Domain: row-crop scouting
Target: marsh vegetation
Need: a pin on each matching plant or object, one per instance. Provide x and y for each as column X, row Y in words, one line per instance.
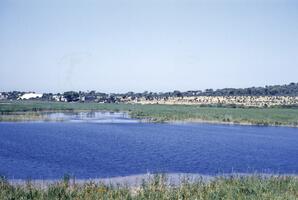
column 32, row 110
column 157, row 187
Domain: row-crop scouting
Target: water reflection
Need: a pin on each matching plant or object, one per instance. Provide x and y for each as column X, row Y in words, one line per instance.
column 93, row 116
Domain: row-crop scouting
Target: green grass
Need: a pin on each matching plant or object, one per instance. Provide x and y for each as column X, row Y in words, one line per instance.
column 158, row 113
column 251, row 187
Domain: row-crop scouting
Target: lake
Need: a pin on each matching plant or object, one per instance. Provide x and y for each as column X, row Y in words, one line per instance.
column 111, row 145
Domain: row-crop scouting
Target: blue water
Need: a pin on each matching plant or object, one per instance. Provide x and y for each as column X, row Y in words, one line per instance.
column 49, row 150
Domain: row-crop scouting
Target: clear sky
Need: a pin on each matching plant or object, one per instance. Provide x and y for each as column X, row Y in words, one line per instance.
column 154, row 45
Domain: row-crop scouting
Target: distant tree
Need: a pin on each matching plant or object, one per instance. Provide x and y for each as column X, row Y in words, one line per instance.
column 177, row 93
column 71, row 96
column 274, row 90
column 47, row 96
column 90, row 96
column 14, row 95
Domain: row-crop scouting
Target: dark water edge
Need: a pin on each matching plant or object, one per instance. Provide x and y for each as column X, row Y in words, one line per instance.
column 87, row 150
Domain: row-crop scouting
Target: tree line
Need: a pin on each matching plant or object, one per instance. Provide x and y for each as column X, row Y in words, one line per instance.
column 93, row 96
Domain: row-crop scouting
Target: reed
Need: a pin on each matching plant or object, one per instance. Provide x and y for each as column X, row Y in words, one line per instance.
column 248, row 187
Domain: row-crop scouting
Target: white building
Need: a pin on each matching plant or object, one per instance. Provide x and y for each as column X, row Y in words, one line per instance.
column 30, row 96
column 59, row 98
column 2, row 96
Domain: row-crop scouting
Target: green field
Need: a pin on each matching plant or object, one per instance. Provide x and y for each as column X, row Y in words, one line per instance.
column 31, row 110
column 251, row 187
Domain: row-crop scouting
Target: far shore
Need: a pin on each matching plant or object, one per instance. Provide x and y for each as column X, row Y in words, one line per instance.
column 41, row 116
column 36, row 110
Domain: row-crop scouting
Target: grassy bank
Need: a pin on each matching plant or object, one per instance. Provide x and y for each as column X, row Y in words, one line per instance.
column 22, row 110
column 252, row 187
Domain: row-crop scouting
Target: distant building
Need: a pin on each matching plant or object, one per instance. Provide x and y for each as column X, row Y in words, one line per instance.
column 27, row 96
column 3, row 96
column 59, row 98
column 82, row 98
column 56, row 98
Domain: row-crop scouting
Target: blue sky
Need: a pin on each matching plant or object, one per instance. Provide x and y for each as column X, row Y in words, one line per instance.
column 154, row 45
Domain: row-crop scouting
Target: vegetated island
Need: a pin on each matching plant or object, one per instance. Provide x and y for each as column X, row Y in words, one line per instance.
column 270, row 105
column 234, row 187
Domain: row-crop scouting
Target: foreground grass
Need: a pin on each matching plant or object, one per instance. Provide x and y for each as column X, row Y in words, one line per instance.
column 22, row 110
column 251, row 187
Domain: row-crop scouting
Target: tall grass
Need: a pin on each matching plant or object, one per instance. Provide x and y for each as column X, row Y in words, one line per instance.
column 250, row 187
column 158, row 113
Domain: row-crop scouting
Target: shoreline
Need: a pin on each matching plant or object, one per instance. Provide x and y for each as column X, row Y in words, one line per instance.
column 130, row 180
column 198, row 121
column 137, row 180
